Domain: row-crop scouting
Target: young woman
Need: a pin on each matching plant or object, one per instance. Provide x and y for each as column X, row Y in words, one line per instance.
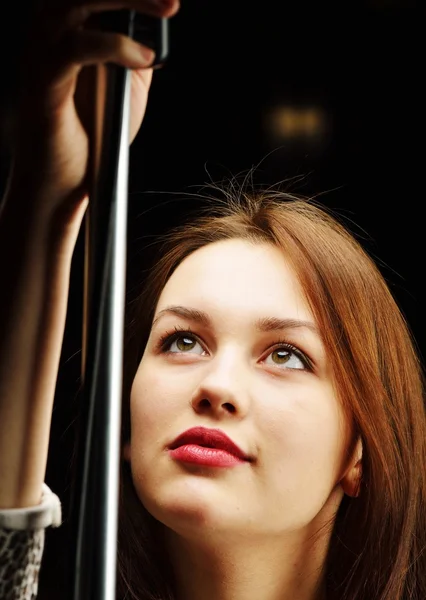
column 274, row 431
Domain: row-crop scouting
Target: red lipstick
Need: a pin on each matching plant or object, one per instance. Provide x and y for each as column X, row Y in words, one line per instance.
column 207, row 447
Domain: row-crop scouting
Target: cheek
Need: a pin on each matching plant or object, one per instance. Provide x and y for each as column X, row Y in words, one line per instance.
column 304, row 436
column 154, row 403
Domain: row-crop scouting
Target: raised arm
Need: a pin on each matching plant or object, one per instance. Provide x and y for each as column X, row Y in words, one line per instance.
column 39, row 221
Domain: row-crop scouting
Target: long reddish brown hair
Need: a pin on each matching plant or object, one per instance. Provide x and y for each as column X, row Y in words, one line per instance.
column 377, row 548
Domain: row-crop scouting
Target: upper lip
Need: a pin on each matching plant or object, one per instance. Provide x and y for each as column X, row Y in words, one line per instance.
column 209, row 438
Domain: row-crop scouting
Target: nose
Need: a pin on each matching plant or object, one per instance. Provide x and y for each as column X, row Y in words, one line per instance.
column 223, row 390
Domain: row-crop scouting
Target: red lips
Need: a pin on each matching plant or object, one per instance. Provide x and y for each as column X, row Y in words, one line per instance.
column 209, row 438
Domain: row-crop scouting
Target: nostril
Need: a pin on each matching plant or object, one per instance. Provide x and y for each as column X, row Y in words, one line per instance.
column 205, row 403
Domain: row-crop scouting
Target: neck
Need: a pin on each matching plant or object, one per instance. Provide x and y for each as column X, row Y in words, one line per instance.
column 248, row 570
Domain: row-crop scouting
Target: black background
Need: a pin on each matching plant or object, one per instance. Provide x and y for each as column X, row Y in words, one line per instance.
column 231, row 62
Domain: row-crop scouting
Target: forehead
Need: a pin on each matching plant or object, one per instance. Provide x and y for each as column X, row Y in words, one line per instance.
column 239, row 276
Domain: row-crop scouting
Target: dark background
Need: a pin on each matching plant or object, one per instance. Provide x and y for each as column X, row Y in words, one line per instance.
column 343, row 83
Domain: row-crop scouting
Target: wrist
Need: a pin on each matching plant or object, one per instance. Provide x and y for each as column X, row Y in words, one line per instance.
column 36, row 208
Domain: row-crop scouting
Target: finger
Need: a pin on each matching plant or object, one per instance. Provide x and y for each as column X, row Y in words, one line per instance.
column 78, row 50
column 159, row 8
column 77, row 15
column 92, row 47
column 54, row 23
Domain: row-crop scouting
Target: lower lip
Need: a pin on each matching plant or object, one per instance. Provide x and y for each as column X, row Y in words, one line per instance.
column 207, row 457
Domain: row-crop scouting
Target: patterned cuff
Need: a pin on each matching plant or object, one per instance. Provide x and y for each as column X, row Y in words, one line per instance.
column 47, row 513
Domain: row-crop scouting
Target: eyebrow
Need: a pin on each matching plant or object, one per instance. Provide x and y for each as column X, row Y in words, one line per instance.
column 264, row 324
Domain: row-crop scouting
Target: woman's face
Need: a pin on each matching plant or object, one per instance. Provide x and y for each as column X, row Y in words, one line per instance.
column 244, row 357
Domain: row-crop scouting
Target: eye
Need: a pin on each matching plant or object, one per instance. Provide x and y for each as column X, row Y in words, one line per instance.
column 180, row 341
column 185, row 342
column 288, row 356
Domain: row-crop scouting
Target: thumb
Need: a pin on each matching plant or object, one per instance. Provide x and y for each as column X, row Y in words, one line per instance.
column 140, row 85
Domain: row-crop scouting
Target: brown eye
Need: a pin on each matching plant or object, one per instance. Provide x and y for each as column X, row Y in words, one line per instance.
column 184, row 343
column 281, row 356
column 290, row 357
column 181, row 342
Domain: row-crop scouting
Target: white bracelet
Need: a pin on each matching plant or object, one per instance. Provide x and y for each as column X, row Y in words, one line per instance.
column 47, row 513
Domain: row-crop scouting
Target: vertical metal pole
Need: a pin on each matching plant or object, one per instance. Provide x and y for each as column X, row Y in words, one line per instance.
column 95, row 500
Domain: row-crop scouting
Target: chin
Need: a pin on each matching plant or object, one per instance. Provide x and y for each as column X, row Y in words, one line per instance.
column 192, row 505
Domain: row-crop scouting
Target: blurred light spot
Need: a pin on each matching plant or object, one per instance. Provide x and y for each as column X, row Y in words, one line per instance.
column 297, row 123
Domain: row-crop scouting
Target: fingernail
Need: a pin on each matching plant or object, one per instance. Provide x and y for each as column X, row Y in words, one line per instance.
column 147, row 55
